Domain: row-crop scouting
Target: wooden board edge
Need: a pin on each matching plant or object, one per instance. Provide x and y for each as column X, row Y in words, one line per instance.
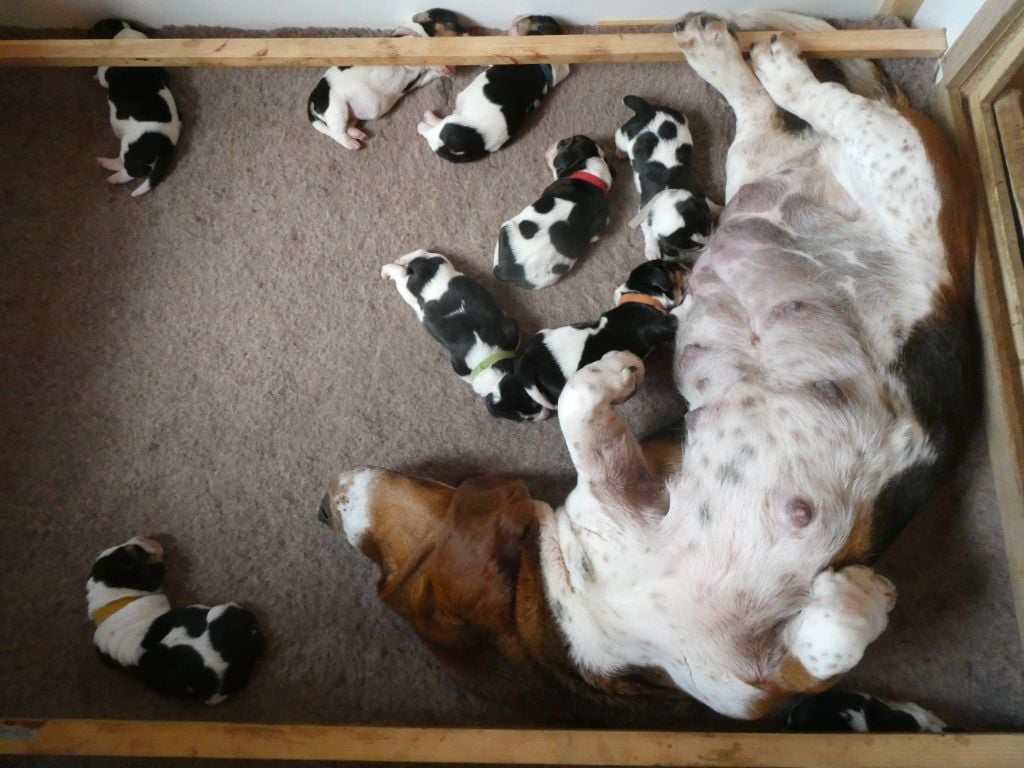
column 984, row 30
column 456, row 51
column 126, row 738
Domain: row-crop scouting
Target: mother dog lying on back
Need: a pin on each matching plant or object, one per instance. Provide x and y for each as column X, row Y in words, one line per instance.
column 825, row 352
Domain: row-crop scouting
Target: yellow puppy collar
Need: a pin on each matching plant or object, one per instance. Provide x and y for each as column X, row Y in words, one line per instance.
column 110, row 609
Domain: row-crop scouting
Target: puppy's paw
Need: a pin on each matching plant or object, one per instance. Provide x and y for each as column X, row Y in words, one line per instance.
column 357, row 134
column 847, row 611
column 613, row 379
column 110, row 163
column 121, row 177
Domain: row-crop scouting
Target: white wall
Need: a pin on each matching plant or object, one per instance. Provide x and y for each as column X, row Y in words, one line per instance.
column 384, row 14
column 954, row 15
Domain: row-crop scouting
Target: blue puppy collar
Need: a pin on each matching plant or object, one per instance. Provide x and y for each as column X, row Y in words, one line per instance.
column 549, row 74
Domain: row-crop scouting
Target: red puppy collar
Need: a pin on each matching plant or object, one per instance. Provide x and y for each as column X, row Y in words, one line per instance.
column 590, row 178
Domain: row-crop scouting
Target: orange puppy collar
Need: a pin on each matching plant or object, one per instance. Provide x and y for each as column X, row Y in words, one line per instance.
column 641, row 298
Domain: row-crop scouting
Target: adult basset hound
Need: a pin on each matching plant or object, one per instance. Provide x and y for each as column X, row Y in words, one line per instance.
column 826, row 353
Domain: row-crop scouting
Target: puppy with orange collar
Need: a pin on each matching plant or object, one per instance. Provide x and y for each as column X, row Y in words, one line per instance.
column 638, row 323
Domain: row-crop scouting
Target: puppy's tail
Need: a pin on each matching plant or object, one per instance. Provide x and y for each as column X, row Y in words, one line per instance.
column 461, row 144
column 859, row 75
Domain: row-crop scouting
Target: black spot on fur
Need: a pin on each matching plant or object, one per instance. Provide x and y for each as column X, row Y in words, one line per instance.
column 834, row 712
column 462, row 144
column 128, row 567
column 528, row 229
column 149, row 156
column 319, row 100
column 668, row 130
column 544, row 204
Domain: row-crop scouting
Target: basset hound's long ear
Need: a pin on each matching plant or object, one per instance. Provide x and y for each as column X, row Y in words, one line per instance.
column 468, row 581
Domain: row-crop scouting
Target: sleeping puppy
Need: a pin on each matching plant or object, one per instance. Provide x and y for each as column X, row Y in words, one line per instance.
column 840, row 712
column 659, row 283
column 674, row 214
column 465, row 319
column 491, row 109
column 142, row 113
column 347, row 94
column 195, row 652
column 553, row 355
column 541, row 244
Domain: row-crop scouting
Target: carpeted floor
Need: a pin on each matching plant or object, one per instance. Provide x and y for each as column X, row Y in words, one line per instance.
column 196, row 363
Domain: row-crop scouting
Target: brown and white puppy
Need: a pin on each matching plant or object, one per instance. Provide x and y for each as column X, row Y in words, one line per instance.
column 825, row 349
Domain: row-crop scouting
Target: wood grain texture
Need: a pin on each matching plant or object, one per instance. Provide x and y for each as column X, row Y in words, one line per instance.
column 1009, row 111
column 904, row 9
column 124, row 738
column 456, row 51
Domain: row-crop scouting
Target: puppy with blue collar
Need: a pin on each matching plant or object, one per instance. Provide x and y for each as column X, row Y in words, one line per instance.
column 540, row 245
column 490, row 111
column 196, row 652
column 143, row 114
column 465, row 318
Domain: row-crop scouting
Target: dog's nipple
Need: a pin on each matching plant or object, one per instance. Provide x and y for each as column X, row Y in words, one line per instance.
column 799, row 512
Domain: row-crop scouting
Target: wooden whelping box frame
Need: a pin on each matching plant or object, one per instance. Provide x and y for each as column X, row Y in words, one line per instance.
column 977, row 69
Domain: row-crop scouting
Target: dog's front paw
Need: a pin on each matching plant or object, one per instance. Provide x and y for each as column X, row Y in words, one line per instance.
column 698, row 31
column 613, row 379
column 847, row 611
column 393, row 272
column 780, row 69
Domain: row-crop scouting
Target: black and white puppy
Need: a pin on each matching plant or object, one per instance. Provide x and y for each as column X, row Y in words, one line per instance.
column 142, row 113
column 347, row 94
column 674, row 216
column 490, row 110
column 840, row 712
column 195, row 652
column 466, row 320
column 658, row 283
column 553, row 355
column 537, row 247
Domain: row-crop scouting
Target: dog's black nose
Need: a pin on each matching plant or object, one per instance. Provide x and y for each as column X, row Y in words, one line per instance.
column 324, row 513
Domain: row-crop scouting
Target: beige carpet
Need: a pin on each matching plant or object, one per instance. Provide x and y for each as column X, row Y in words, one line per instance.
column 196, row 363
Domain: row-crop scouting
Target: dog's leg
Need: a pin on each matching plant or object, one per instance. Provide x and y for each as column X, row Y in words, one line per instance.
column 110, row 163
column 121, row 177
column 877, row 155
column 847, row 611
column 609, row 461
column 761, row 145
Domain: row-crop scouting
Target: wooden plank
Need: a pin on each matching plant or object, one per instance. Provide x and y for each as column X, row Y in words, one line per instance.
column 1009, row 112
column 456, row 51
column 1000, row 299
column 974, row 43
column 1005, row 60
column 904, row 9
column 123, row 738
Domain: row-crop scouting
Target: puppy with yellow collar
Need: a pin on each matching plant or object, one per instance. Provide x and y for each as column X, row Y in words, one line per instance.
column 196, row 652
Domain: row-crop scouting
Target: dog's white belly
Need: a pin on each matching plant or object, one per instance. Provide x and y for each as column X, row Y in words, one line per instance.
column 797, row 310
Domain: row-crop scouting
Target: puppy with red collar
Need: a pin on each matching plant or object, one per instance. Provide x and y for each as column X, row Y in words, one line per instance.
column 537, row 247
column 196, row 652
column 638, row 323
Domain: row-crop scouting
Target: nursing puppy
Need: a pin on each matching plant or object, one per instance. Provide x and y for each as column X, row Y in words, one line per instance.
column 142, row 113
column 347, row 94
column 466, row 320
column 541, row 244
column 195, row 652
column 840, row 712
column 674, row 214
column 491, row 109
column 638, row 324
column 660, row 283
